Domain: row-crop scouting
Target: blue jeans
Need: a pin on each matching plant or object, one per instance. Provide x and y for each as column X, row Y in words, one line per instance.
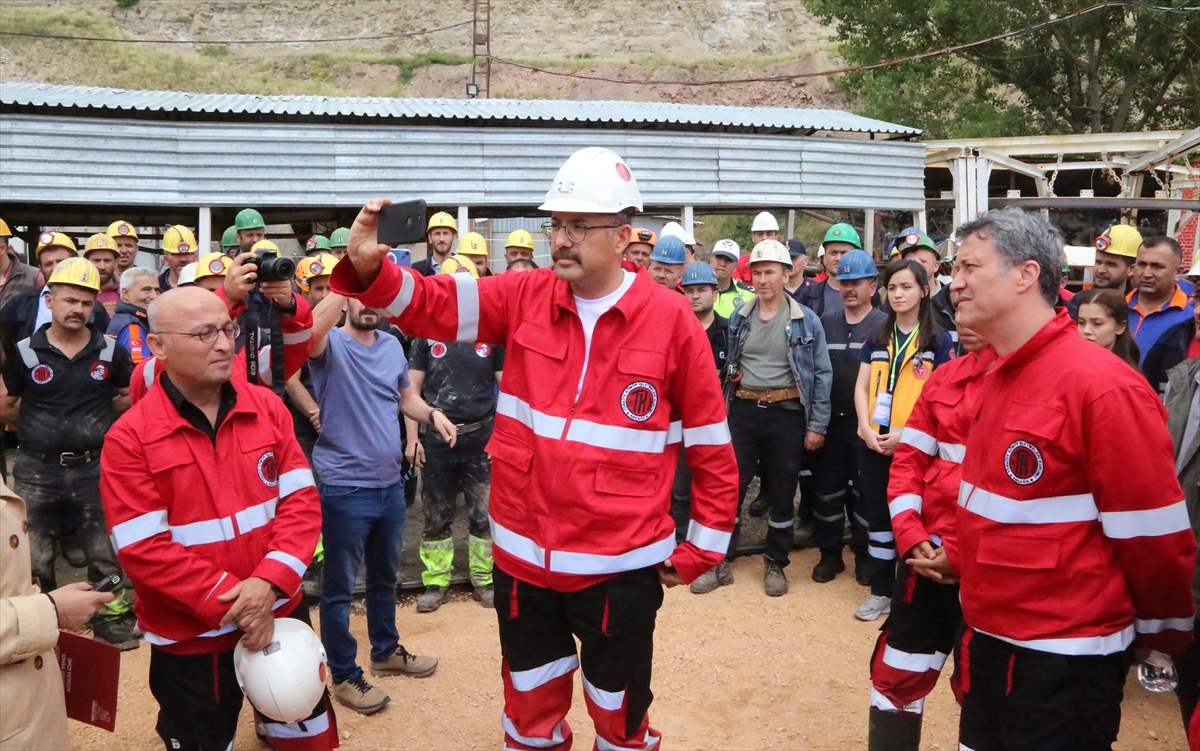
column 357, row 522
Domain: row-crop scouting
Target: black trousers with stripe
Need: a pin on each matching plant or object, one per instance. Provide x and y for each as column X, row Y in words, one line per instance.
column 872, row 481
column 1016, row 698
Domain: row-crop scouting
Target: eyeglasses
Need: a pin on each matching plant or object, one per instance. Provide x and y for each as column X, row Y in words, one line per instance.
column 208, row 334
column 575, row 231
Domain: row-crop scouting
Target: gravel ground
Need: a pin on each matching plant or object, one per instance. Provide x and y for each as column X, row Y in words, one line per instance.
column 733, row 670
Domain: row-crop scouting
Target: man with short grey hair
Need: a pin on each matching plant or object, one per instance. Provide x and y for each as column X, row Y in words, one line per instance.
column 139, row 286
column 1077, row 554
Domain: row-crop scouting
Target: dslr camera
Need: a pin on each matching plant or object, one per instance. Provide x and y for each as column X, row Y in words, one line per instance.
column 272, row 267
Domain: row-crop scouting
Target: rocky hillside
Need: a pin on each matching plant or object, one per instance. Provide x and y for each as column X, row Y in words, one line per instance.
column 657, row 40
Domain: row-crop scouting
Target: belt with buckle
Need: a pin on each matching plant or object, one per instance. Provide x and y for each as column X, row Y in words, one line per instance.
column 770, row 396
column 65, row 459
column 463, row 427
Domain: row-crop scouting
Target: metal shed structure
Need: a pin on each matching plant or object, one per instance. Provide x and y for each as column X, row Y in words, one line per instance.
column 78, row 155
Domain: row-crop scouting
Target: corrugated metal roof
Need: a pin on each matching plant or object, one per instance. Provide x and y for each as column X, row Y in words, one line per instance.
column 462, row 111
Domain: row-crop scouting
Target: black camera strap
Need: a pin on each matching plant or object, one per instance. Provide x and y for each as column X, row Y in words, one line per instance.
column 261, row 315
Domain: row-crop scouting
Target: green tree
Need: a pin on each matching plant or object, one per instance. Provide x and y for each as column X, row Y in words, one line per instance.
column 1121, row 68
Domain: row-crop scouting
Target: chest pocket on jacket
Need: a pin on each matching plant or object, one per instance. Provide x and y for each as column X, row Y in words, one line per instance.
column 642, row 362
column 543, row 340
column 1023, row 551
column 169, row 462
column 1036, row 420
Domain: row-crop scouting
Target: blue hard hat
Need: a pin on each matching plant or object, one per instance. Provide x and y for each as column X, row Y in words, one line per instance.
column 401, row 256
column 699, row 272
column 857, row 264
column 796, row 248
column 669, row 249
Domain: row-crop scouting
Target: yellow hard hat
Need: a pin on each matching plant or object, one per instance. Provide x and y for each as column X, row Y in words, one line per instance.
column 54, row 240
column 213, row 264
column 78, row 272
column 1120, row 240
column 179, row 239
column 519, row 238
column 121, row 228
column 264, row 245
column 4, row 230
column 472, row 244
column 99, row 241
column 457, row 264
column 442, row 219
column 310, row 268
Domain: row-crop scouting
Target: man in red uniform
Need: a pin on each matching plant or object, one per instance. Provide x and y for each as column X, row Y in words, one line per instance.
column 214, row 515
column 923, row 488
column 589, row 424
column 1072, row 554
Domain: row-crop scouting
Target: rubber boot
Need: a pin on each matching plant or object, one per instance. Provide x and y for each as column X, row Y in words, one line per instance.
column 893, row 731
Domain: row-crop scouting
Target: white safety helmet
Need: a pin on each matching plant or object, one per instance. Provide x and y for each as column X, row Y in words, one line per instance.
column 770, row 250
column 675, row 229
column 187, row 275
column 286, row 679
column 765, row 222
column 593, row 181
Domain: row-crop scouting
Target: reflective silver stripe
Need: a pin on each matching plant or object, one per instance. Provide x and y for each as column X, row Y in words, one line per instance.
column 148, row 372
column 919, row 440
column 879, row 701
column 780, row 525
column 882, row 554
column 110, row 346
column 404, row 296
column 611, row 701
column 1083, row 645
column 528, row 680
column 856, row 345
column 1155, row 522
column 542, row 424
column 297, row 337
column 556, row 736
column 881, row 536
column 291, row 561
column 614, row 438
column 835, row 347
column 906, row 502
column 716, row 434
column 1051, row 510
column 935, row 539
column 649, row 742
column 1157, row 626
column 564, row 562
column 879, row 356
column 138, row 528
column 914, row 663
column 203, row 533
column 296, row 479
column 306, row 729
column 255, row 516
column 707, row 538
column 951, row 452
column 927, row 356
column 28, row 356
column 517, row 545
column 162, row 641
column 675, row 432
column 467, row 294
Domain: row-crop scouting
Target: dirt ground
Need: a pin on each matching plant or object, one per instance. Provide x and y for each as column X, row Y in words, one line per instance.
column 733, row 670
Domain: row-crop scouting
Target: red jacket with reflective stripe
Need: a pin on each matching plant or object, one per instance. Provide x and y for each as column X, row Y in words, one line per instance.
column 297, row 344
column 189, row 521
column 1073, row 533
column 927, row 467
column 580, row 488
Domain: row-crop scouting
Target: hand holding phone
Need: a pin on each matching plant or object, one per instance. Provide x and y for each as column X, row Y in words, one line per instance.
column 401, row 223
column 107, row 584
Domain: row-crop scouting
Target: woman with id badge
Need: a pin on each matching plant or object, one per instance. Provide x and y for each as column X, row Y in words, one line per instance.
column 896, row 361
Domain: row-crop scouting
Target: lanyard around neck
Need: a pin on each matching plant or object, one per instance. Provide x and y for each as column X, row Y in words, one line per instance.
column 898, row 354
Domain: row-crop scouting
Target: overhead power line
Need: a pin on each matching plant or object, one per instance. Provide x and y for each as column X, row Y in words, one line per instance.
column 69, row 38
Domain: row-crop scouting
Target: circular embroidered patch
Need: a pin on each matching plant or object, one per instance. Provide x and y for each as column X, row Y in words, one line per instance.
column 639, row 400
column 268, row 470
column 42, row 374
column 1023, row 463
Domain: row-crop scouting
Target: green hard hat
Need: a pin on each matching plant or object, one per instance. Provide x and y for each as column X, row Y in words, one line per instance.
column 340, row 238
column 316, row 242
column 249, row 219
column 229, row 237
column 842, row 233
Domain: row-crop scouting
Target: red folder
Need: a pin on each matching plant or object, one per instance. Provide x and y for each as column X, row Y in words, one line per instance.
column 91, row 672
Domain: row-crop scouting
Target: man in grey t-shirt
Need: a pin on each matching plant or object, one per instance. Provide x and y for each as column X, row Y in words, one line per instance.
column 361, row 384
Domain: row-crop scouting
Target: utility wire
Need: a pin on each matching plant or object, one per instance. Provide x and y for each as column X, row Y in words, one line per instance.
column 66, row 37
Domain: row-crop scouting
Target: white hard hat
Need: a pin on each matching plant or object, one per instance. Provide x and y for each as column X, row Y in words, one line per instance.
column 770, row 250
column 286, row 679
column 765, row 222
column 821, row 252
column 593, row 181
column 675, row 229
column 187, row 275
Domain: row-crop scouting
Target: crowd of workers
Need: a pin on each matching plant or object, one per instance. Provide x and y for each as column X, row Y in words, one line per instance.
column 968, row 436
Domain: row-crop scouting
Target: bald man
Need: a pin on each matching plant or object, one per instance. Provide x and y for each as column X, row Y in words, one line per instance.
column 198, row 594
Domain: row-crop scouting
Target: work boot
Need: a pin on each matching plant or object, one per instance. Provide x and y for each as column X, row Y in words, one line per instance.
column 433, row 599
column 775, row 583
column 403, row 663
column 893, row 731
column 862, row 569
column 73, row 552
column 115, row 631
column 719, row 575
column 758, row 507
column 311, row 583
column 828, row 567
column 485, row 596
column 875, row 606
column 360, row 696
